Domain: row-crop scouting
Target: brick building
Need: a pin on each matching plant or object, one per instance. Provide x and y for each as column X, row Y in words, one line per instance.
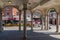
column 10, row 13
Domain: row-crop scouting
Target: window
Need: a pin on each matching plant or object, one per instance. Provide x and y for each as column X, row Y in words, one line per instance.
column 7, row 14
column 17, row 13
column 7, row 8
column 2, row 14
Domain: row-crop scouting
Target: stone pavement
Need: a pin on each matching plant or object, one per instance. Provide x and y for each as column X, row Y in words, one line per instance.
column 31, row 35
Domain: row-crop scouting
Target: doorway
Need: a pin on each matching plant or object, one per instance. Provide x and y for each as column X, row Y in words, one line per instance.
column 52, row 15
column 37, row 20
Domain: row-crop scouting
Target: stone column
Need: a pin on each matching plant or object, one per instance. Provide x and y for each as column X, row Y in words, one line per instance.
column 19, row 20
column 1, row 28
column 57, row 23
column 42, row 23
column 44, row 19
column 45, row 22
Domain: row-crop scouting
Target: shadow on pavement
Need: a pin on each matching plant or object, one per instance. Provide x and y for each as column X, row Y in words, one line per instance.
column 17, row 35
column 39, row 36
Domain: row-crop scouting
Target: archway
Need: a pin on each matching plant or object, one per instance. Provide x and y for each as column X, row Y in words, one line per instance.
column 10, row 17
column 52, row 15
column 37, row 19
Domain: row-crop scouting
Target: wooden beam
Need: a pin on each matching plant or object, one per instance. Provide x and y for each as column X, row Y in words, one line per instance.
column 40, row 3
column 43, row 2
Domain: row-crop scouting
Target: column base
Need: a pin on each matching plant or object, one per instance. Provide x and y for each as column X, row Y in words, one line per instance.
column 24, row 38
column 31, row 28
column 1, row 28
column 19, row 28
column 56, row 31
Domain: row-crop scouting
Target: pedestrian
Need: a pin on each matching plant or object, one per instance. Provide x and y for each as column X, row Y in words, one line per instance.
column 3, row 23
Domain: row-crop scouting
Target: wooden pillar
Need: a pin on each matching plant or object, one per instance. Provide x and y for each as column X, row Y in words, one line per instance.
column 31, row 21
column 24, row 28
column 19, row 20
column 1, row 28
column 57, row 23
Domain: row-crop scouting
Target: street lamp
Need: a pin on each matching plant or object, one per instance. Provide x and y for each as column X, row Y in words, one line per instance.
column 9, row 2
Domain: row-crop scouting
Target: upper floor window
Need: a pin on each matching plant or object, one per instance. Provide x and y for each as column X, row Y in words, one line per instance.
column 7, row 8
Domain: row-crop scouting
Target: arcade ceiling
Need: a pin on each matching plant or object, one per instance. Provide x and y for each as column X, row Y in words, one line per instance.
column 30, row 4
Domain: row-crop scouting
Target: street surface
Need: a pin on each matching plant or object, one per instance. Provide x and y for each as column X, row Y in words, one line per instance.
column 12, row 33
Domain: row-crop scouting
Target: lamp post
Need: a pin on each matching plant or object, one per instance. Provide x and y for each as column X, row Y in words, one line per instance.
column 24, row 9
